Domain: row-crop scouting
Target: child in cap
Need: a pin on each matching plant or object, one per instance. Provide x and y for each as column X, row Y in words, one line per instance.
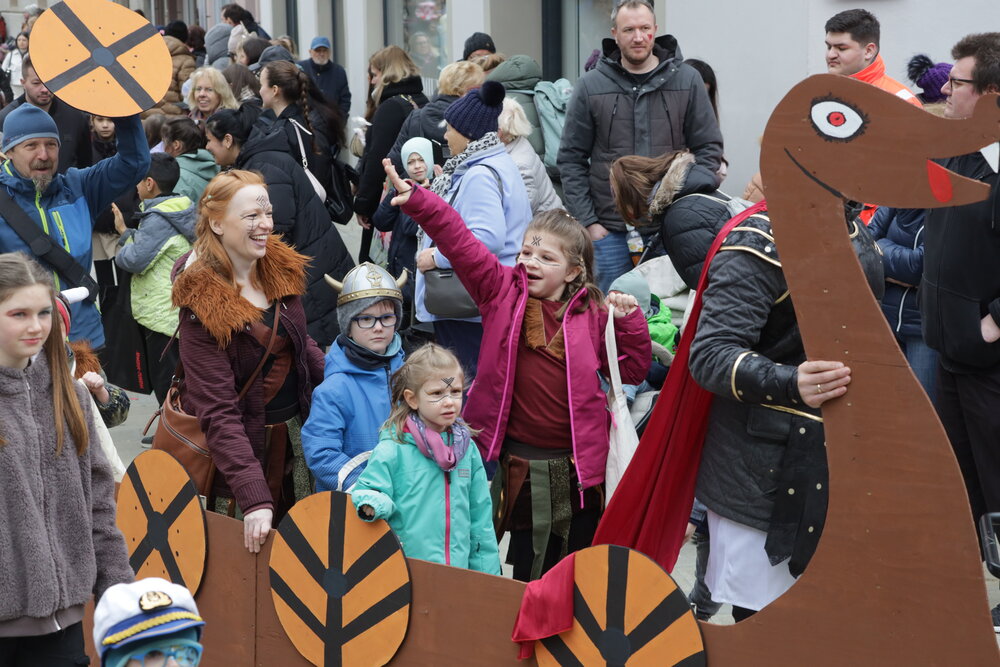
column 417, row 154
column 352, row 402
column 146, row 623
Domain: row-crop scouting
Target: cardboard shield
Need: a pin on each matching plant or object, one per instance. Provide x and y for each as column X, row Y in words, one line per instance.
column 160, row 515
column 100, row 57
column 341, row 587
column 626, row 610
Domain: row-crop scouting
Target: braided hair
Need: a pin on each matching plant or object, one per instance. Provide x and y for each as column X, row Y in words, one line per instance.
column 298, row 87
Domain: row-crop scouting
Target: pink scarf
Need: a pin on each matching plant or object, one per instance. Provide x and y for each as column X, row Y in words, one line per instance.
column 432, row 445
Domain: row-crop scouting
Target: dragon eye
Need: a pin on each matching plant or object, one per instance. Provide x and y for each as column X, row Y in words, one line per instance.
column 837, row 120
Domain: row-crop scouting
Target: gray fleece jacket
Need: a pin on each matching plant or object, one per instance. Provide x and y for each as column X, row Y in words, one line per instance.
column 59, row 543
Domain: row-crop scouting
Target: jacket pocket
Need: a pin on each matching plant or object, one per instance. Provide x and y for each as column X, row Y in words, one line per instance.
column 961, row 334
column 770, row 425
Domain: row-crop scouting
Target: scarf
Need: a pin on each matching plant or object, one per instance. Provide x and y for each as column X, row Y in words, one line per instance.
column 432, row 445
column 364, row 358
column 442, row 183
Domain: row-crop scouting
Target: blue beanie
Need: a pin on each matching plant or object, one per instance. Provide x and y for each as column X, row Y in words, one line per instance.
column 27, row 122
column 476, row 113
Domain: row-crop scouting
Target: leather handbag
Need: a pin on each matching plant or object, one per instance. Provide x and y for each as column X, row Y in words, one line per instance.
column 179, row 433
column 338, row 199
column 444, row 294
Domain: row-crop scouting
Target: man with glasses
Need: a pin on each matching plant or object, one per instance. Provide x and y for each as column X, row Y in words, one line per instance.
column 960, row 291
column 350, row 406
column 640, row 99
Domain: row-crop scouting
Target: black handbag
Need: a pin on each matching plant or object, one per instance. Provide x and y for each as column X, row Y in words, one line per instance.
column 125, row 357
column 339, row 198
column 444, row 294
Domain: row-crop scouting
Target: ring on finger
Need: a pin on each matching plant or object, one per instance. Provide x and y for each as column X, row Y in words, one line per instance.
column 819, row 389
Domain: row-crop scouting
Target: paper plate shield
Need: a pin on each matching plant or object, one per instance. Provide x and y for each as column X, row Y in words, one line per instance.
column 100, row 57
column 341, row 587
column 626, row 611
column 160, row 515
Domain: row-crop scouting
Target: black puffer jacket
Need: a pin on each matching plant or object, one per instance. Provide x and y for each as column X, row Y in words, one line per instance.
column 302, row 221
column 762, row 440
column 319, row 155
column 611, row 114
column 426, row 122
column 689, row 212
column 398, row 100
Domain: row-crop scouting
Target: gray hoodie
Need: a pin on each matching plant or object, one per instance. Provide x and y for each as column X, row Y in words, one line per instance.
column 217, row 46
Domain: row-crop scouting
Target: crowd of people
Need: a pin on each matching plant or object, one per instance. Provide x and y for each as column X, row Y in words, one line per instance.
column 451, row 389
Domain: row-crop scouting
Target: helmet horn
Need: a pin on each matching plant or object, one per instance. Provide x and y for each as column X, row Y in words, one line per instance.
column 339, row 286
column 403, row 277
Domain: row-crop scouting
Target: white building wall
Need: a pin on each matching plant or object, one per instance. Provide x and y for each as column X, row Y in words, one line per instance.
column 760, row 50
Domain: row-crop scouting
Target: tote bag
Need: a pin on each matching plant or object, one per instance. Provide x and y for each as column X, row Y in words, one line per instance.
column 622, row 438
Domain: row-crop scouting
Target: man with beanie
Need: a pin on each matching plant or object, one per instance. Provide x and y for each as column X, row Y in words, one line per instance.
column 350, row 406
column 640, row 99
column 63, row 206
column 960, row 289
column 74, row 125
column 482, row 182
column 478, row 44
column 328, row 76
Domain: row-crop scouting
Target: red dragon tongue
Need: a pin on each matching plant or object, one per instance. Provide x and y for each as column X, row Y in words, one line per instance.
column 940, row 181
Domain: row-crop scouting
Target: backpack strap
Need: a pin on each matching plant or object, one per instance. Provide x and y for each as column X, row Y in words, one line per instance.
column 43, row 247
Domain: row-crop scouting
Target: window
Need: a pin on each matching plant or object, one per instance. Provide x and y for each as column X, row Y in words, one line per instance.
column 420, row 27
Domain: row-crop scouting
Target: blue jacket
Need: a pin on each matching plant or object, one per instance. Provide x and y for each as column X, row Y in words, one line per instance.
column 498, row 222
column 900, row 235
column 348, row 410
column 67, row 208
column 443, row 517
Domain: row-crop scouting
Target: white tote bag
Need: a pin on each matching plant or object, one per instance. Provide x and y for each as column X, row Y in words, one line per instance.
column 622, row 440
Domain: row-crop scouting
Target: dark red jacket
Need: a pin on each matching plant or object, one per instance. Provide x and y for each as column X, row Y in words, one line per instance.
column 219, row 354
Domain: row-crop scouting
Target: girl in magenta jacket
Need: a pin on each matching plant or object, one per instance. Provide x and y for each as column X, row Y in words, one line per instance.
column 537, row 398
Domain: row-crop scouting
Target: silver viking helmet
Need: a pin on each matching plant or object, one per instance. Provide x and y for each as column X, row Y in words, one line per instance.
column 368, row 280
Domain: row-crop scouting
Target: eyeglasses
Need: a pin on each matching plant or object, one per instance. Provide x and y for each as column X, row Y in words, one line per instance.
column 952, row 80
column 368, row 321
column 186, row 652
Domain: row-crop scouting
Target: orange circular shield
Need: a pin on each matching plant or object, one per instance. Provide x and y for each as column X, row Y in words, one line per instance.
column 340, row 585
column 626, row 611
column 100, row 57
column 161, row 517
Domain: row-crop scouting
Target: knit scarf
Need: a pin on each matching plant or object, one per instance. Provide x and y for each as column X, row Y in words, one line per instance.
column 442, row 183
column 432, row 445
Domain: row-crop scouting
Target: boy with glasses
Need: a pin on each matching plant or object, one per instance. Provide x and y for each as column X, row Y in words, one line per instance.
column 350, row 406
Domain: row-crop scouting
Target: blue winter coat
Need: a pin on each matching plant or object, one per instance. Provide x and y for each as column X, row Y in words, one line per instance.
column 68, row 207
column 497, row 220
column 899, row 233
column 443, row 517
column 348, row 410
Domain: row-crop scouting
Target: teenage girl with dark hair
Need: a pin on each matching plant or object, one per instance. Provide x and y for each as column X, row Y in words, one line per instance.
column 185, row 140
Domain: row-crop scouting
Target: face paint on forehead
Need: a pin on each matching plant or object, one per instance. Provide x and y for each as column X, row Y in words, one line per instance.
column 263, row 201
column 536, row 240
column 447, row 385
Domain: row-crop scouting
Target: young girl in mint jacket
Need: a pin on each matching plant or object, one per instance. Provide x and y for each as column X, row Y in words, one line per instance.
column 537, row 400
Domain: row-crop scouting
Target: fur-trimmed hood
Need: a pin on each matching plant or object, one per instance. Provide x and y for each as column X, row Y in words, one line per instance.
column 218, row 304
column 673, row 182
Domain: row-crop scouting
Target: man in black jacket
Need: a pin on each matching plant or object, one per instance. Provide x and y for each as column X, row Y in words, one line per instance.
column 328, row 76
column 641, row 99
column 74, row 125
column 960, row 292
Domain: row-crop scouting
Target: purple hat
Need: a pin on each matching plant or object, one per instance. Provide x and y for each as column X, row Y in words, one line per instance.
column 929, row 76
column 476, row 113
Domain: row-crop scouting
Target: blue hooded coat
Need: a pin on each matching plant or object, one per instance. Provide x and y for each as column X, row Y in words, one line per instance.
column 348, row 410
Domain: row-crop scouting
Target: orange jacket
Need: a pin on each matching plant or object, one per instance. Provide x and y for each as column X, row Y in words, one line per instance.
column 875, row 75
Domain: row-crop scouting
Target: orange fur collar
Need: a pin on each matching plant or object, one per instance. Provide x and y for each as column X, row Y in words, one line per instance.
column 218, row 304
